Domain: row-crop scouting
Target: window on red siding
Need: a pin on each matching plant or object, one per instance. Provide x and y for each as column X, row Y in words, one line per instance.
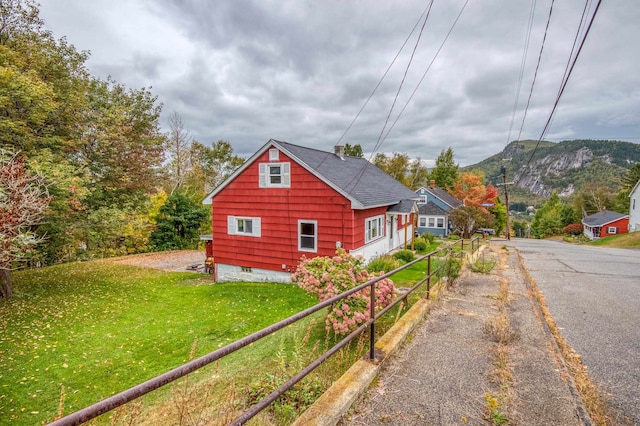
column 612, row 230
column 308, row 235
column 373, row 228
column 249, row 226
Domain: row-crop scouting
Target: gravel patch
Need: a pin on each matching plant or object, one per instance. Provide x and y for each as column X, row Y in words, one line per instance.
column 177, row 260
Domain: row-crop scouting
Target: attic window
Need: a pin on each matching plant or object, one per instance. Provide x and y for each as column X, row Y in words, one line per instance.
column 275, row 175
column 274, row 154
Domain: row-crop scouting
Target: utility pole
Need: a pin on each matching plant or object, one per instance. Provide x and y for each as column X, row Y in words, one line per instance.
column 503, row 170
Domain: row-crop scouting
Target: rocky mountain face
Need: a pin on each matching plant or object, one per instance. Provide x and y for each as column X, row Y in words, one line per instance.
column 564, row 167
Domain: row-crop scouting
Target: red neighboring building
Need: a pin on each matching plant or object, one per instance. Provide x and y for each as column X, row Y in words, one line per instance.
column 287, row 201
column 605, row 223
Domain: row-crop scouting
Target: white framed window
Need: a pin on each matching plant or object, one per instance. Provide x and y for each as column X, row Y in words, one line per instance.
column 248, row 226
column 274, row 154
column 422, row 221
column 423, row 199
column 308, row 235
column 432, row 222
column 373, row 228
column 612, row 230
column 274, row 175
column 440, row 222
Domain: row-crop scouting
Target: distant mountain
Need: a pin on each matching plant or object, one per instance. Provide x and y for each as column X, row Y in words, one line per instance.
column 564, row 167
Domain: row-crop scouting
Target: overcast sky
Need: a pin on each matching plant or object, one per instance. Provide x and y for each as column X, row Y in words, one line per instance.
column 300, row 70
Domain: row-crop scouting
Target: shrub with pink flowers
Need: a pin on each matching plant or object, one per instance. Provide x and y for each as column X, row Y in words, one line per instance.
column 326, row 277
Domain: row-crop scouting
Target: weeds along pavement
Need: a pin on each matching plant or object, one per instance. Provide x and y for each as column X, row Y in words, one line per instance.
column 482, row 356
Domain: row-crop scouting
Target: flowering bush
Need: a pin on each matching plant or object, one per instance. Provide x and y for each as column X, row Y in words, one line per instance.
column 573, row 229
column 326, row 277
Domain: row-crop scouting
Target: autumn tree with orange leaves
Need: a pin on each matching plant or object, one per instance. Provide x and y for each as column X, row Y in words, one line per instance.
column 470, row 189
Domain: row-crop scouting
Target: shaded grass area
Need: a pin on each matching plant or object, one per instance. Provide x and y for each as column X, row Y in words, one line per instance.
column 97, row 328
column 631, row 240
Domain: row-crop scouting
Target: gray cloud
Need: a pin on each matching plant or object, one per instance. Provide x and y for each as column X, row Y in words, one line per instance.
column 249, row 70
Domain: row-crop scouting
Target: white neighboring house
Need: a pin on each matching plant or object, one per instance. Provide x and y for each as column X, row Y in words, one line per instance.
column 634, row 208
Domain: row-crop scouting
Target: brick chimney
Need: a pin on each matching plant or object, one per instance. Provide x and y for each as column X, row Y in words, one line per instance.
column 432, row 183
column 339, row 150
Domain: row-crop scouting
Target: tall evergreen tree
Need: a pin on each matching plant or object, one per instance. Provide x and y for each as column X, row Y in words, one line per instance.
column 178, row 224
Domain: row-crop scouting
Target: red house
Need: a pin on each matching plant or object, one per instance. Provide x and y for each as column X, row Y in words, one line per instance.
column 605, row 223
column 287, row 201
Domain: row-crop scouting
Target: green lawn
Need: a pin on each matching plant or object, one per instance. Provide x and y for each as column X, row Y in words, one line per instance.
column 631, row 240
column 97, row 328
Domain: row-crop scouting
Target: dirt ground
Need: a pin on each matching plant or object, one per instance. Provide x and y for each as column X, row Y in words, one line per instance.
column 178, row 260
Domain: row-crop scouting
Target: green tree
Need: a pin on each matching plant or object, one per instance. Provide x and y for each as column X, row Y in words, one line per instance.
column 445, row 172
column 499, row 212
column 96, row 143
column 548, row 218
column 122, row 146
column 210, row 166
column 592, row 198
column 412, row 174
column 620, row 202
column 180, row 219
column 631, row 177
column 353, row 151
column 418, row 174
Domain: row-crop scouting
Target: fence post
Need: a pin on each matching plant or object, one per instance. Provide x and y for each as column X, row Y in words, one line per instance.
column 428, row 275
column 372, row 313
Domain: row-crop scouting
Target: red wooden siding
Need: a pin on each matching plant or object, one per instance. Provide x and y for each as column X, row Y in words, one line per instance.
column 622, row 225
column 359, row 221
column 279, row 209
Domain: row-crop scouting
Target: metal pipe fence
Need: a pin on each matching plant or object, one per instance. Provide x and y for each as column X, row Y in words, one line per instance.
column 124, row 397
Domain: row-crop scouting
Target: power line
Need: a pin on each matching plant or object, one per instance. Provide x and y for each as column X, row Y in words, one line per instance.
column 360, row 173
column 535, row 74
column 564, row 84
column 426, row 70
column 523, row 62
column 406, row 71
column 385, row 73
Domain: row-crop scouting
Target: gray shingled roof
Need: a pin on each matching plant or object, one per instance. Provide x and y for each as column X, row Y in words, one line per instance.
column 445, row 196
column 404, row 206
column 431, row 209
column 602, row 218
column 355, row 177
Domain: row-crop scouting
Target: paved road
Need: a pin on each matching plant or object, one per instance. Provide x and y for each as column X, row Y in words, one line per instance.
column 593, row 294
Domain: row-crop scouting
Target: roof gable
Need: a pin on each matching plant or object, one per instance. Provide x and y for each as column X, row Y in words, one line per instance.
column 404, row 207
column 635, row 187
column 364, row 184
column 442, row 195
column 431, row 209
